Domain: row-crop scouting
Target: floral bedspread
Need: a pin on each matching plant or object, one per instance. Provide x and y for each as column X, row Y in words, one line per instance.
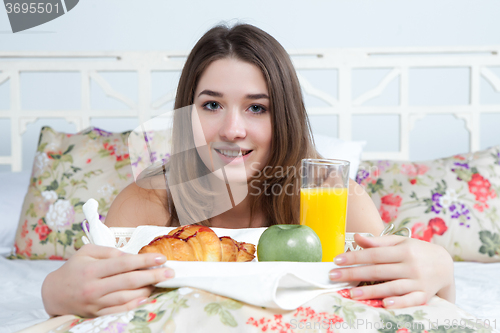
column 193, row 310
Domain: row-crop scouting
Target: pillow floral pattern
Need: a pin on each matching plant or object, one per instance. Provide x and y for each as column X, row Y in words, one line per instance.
column 68, row 170
column 148, row 149
column 453, row 202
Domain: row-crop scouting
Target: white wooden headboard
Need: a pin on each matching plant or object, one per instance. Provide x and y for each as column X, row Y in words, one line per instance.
column 478, row 60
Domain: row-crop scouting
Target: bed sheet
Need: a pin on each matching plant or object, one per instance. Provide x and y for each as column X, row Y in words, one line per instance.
column 20, row 298
column 13, row 188
column 478, row 292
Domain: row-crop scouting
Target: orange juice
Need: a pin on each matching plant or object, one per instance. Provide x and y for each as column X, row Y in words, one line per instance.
column 324, row 210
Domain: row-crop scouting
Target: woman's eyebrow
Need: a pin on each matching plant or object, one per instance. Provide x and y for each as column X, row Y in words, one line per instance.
column 218, row 94
column 256, row 96
column 211, row 93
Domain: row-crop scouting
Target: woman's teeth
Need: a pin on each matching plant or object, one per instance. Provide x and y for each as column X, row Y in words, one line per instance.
column 232, row 153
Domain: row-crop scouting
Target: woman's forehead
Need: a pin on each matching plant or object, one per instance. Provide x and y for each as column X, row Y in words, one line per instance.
column 233, row 77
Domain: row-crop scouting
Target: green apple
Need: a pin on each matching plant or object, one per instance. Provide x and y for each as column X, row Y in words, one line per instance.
column 289, row 242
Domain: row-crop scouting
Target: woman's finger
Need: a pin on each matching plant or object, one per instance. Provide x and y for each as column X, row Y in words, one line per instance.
column 383, row 290
column 379, row 272
column 126, row 263
column 414, row 298
column 122, row 308
column 100, row 252
column 124, row 296
column 376, row 255
column 367, row 242
column 135, row 279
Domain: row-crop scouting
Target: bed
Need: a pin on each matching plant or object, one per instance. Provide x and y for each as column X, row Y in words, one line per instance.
column 478, row 293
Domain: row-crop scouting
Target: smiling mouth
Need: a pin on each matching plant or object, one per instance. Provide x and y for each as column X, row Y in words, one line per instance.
column 232, row 153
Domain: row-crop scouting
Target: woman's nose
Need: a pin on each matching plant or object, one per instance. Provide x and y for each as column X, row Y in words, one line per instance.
column 233, row 126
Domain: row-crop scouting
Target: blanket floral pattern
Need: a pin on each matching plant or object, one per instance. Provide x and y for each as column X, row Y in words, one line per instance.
column 453, row 202
column 68, row 170
column 172, row 311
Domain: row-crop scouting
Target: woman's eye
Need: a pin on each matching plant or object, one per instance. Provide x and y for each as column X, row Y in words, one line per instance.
column 257, row 109
column 212, row 106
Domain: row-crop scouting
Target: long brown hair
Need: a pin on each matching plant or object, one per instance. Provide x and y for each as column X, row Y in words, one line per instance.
column 291, row 136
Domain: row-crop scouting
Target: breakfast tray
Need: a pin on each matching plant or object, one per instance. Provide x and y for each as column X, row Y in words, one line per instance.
column 284, row 285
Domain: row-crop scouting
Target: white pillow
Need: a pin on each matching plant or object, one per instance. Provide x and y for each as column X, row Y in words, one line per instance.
column 330, row 147
column 13, row 188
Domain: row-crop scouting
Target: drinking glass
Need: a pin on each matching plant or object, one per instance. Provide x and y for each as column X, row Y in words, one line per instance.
column 323, row 202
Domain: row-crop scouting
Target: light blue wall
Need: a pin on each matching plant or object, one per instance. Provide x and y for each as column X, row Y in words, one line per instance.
column 167, row 25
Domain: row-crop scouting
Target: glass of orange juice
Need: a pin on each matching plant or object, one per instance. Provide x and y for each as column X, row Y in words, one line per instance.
column 323, row 202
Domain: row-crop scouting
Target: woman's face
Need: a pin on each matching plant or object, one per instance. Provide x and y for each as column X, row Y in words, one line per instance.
column 232, row 104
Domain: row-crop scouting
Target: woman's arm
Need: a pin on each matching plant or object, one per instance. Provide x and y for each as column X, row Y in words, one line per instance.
column 362, row 215
column 99, row 280
column 135, row 206
column 414, row 270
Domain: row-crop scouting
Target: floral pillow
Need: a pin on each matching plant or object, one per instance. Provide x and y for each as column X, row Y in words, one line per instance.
column 148, row 149
column 453, row 202
column 68, row 170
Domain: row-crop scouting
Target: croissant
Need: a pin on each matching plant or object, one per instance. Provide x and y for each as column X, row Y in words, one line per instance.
column 199, row 243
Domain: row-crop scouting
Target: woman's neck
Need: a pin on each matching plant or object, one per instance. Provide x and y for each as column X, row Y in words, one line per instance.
column 239, row 217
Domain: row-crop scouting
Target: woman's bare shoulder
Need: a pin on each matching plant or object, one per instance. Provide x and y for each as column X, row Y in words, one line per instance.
column 136, row 206
column 362, row 214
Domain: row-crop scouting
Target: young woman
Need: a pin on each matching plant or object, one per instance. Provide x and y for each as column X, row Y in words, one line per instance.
column 246, row 93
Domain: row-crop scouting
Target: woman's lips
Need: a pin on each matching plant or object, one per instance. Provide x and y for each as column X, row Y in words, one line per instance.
column 233, row 159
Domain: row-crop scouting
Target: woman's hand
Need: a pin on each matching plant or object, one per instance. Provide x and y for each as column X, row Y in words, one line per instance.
column 414, row 270
column 99, row 280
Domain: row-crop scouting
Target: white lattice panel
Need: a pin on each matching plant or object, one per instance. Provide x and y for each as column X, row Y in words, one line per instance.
column 478, row 60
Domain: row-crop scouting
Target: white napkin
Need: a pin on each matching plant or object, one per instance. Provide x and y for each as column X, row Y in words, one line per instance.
column 284, row 285
column 99, row 233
